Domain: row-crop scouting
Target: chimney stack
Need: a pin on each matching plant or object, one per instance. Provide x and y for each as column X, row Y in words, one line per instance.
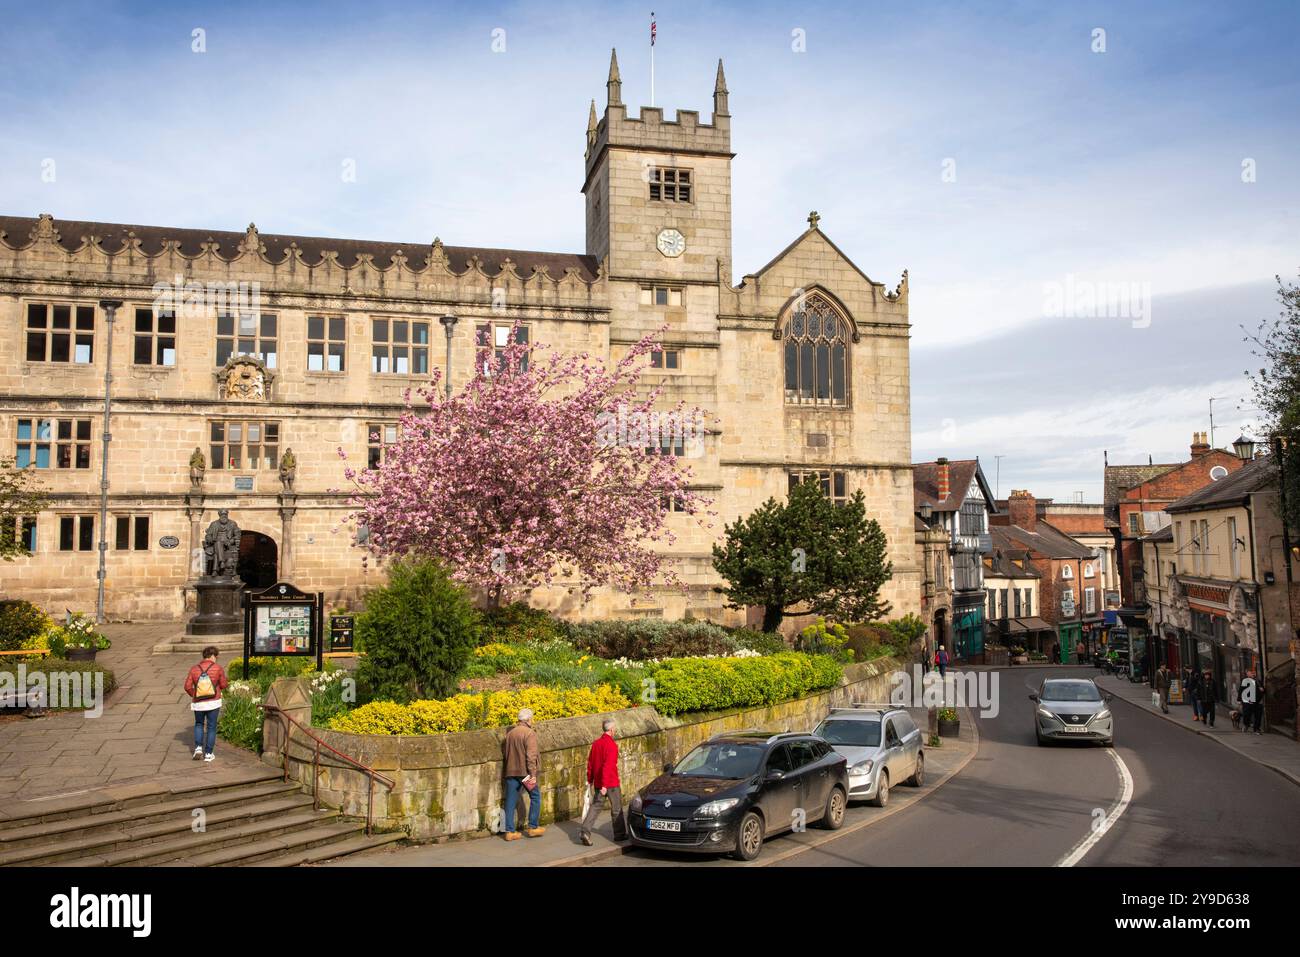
column 945, row 489
column 1199, row 444
column 1022, row 509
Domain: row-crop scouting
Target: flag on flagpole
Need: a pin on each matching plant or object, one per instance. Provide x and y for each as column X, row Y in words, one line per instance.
column 652, row 28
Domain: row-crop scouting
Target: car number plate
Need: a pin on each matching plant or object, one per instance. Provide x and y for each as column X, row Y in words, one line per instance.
column 659, row 825
column 1076, row 728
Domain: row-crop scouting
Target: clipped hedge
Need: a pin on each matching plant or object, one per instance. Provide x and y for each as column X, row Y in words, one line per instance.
column 712, row 684
column 641, row 639
column 56, row 666
column 467, row 712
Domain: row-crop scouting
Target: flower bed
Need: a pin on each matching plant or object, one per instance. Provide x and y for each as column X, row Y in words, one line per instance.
column 467, row 712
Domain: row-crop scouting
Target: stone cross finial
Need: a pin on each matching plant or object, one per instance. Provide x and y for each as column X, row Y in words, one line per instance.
column 813, row 219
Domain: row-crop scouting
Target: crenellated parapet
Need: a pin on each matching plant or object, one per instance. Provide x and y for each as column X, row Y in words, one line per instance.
column 45, row 249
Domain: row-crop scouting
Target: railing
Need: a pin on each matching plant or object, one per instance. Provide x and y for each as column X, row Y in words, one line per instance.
column 371, row 774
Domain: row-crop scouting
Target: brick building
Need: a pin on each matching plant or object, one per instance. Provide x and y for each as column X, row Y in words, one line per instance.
column 1135, row 500
column 804, row 366
column 1069, row 581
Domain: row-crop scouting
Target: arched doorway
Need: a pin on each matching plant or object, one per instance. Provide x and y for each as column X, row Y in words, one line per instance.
column 258, row 567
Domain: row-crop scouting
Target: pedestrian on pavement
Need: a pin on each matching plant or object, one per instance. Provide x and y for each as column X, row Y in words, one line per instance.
column 522, row 759
column 1080, row 651
column 941, row 661
column 1207, row 698
column 1250, row 694
column 1193, row 685
column 1162, row 686
column 602, row 777
column 204, row 685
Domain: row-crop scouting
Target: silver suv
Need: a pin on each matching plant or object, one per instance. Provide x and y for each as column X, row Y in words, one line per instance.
column 882, row 745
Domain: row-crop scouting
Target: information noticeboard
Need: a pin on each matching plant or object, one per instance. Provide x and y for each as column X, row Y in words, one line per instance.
column 282, row 621
column 341, row 632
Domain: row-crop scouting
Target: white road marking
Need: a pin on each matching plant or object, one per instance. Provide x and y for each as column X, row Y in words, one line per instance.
column 1095, row 834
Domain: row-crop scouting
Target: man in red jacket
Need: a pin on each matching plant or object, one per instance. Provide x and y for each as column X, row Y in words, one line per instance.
column 602, row 777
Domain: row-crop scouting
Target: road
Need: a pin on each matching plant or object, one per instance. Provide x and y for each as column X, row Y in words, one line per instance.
column 1193, row 802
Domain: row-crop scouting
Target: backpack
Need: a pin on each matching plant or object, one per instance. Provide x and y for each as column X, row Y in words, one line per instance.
column 204, row 689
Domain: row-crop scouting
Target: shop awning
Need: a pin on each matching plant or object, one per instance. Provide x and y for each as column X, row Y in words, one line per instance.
column 1024, row 626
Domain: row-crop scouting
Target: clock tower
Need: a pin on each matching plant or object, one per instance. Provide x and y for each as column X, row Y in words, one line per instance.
column 658, row 191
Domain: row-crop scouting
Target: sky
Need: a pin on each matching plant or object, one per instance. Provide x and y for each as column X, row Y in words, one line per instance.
column 1091, row 199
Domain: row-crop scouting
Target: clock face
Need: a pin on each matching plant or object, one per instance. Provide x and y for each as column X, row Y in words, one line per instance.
column 671, row 242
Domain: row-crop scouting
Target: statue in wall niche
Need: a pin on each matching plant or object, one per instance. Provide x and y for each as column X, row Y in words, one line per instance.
column 221, row 547
column 198, row 468
column 288, row 469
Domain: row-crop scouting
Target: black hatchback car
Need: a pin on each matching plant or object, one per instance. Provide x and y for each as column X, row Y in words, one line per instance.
column 735, row 790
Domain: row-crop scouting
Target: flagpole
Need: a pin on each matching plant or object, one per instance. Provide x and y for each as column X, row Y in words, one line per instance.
column 652, row 58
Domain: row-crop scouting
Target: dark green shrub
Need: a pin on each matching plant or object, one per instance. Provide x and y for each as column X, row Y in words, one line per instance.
column 867, row 641
column 642, row 639
column 710, row 684
column 764, row 642
column 419, row 631
column 20, row 622
column 517, row 623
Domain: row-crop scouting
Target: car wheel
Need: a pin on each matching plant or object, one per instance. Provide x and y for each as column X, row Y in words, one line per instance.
column 749, row 837
column 882, row 791
column 833, row 819
column 918, row 778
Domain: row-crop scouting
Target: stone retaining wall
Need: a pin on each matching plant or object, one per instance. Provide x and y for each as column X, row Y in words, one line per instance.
column 450, row 785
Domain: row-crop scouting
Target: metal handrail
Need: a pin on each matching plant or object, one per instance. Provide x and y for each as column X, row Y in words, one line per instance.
column 371, row 773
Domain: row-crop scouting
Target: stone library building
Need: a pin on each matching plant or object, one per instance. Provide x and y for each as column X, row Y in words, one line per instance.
column 233, row 365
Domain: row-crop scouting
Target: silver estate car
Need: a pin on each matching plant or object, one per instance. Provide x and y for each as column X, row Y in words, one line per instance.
column 882, row 746
column 1072, row 709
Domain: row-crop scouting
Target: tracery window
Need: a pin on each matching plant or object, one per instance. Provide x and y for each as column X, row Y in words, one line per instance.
column 816, row 354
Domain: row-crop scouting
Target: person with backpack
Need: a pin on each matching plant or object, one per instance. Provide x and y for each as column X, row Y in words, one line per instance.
column 204, row 685
column 941, row 660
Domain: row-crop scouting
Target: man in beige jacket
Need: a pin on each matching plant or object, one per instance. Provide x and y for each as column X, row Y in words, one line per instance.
column 520, row 753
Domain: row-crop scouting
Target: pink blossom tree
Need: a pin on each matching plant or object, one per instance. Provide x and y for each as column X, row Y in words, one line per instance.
column 546, row 467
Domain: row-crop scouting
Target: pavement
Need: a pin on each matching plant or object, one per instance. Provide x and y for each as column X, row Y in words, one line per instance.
column 1274, row 751
column 145, row 733
column 560, row 845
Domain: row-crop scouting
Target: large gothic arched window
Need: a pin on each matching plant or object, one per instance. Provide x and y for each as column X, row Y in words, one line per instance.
column 816, row 354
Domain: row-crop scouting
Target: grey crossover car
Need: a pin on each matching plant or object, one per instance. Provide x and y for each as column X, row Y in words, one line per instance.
column 1072, row 709
column 882, row 746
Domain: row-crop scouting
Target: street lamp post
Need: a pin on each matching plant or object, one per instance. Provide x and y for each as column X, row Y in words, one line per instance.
column 448, row 324
column 110, row 307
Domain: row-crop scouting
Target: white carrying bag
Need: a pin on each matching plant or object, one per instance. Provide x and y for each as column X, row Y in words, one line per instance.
column 586, row 802
column 1155, row 699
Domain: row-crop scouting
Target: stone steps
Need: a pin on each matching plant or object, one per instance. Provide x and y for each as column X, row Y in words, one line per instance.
column 230, row 646
column 259, row 819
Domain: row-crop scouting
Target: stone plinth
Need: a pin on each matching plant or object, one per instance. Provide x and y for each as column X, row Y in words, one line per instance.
column 219, row 612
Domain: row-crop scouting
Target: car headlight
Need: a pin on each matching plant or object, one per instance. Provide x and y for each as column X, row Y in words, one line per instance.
column 636, row 803
column 714, row 808
column 1102, row 715
column 862, row 767
column 1044, row 713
